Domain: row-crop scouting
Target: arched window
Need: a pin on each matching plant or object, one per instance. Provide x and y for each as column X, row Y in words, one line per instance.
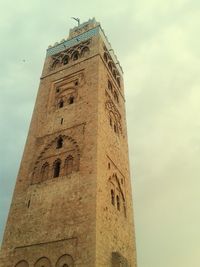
column 110, row 66
column 75, row 55
column 109, row 85
column 85, row 51
column 65, row 265
column 71, row 100
column 55, row 63
column 112, row 197
column 45, row 171
column 110, row 122
column 118, row 81
column 65, row 60
column 56, row 170
column 69, row 164
column 61, row 103
column 116, row 96
column 105, row 57
column 118, row 202
column 22, row 263
column 59, row 143
column 115, row 128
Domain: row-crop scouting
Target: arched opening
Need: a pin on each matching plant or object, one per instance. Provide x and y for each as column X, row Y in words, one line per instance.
column 115, row 128
column 109, row 85
column 71, row 100
column 61, row 103
column 75, row 55
column 22, row 263
column 118, row 202
column 55, row 63
column 110, row 66
column 110, row 122
column 112, row 197
column 85, row 51
column 69, row 164
column 59, row 143
column 45, row 171
column 105, row 57
column 118, row 81
column 65, row 60
column 56, row 171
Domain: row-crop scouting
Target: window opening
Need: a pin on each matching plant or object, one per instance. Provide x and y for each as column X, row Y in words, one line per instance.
column 61, row 121
column 29, row 202
column 110, row 122
column 45, row 171
column 112, row 197
column 57, row 169
column 69, row 164
column 75, row 56
column 115, row 128
column 65, row 60
column 108, row 165
column 71, row 100
column 118, row 203
column 57, row 90
column 59, row 143
column 61, row 104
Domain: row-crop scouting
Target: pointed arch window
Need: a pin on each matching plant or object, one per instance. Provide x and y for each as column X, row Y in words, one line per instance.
column 69, row 164
column 118, row 202
column 112, row 197
column 75, row 56
column 65, row 60
column 71, row 100
column 61, row 103
column 59, row 143
column 56, row 169
column 45, row 171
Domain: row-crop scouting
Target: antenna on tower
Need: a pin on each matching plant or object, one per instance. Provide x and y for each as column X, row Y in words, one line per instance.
column 77, row 19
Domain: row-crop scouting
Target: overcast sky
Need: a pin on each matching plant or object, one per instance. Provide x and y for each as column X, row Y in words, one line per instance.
column 158, row 45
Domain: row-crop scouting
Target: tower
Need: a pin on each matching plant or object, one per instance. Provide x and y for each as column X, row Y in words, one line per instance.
column 72, row 203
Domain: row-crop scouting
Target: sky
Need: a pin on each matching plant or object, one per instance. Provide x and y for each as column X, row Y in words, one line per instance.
column 158, row 45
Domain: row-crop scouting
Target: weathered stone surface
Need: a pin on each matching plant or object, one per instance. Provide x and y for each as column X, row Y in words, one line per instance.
column 72, row 202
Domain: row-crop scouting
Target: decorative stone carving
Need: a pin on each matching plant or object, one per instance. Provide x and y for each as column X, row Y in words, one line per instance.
column 46, row 165
column 70, row 55
column 65, row 261
column 111, row 66
column 22, row 263
column 43, row 262
column 114, row 116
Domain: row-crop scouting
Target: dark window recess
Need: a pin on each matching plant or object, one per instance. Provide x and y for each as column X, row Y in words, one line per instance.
column 59, row 143
column 61, row 104
column 112, row 197
column 76, row 83
column 57, row 90
column 118, row 203
column 29, row 202
column 115, row 128
column 71, row 100
column 56, row 169
column 65, row 60
column 110, row 122
column 108, row 165
column 61, row 121
column 75, row 56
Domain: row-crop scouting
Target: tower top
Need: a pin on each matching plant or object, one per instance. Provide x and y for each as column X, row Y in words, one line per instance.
column 81, row 33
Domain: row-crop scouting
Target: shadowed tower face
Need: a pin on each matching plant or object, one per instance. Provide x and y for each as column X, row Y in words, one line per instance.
column 72, row 204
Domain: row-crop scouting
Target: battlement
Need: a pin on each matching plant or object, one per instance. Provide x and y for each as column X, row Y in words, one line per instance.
column 82, row 33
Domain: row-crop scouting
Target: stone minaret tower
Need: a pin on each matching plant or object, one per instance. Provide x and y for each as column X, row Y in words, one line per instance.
column 72, row 204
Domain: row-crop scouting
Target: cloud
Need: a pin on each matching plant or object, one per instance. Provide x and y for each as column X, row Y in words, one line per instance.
column 158, row 46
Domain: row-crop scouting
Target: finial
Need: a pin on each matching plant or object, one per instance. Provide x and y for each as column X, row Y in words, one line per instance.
column 77, row 19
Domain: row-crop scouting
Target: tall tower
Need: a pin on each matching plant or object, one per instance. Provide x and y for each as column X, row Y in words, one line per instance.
column 72, row 204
